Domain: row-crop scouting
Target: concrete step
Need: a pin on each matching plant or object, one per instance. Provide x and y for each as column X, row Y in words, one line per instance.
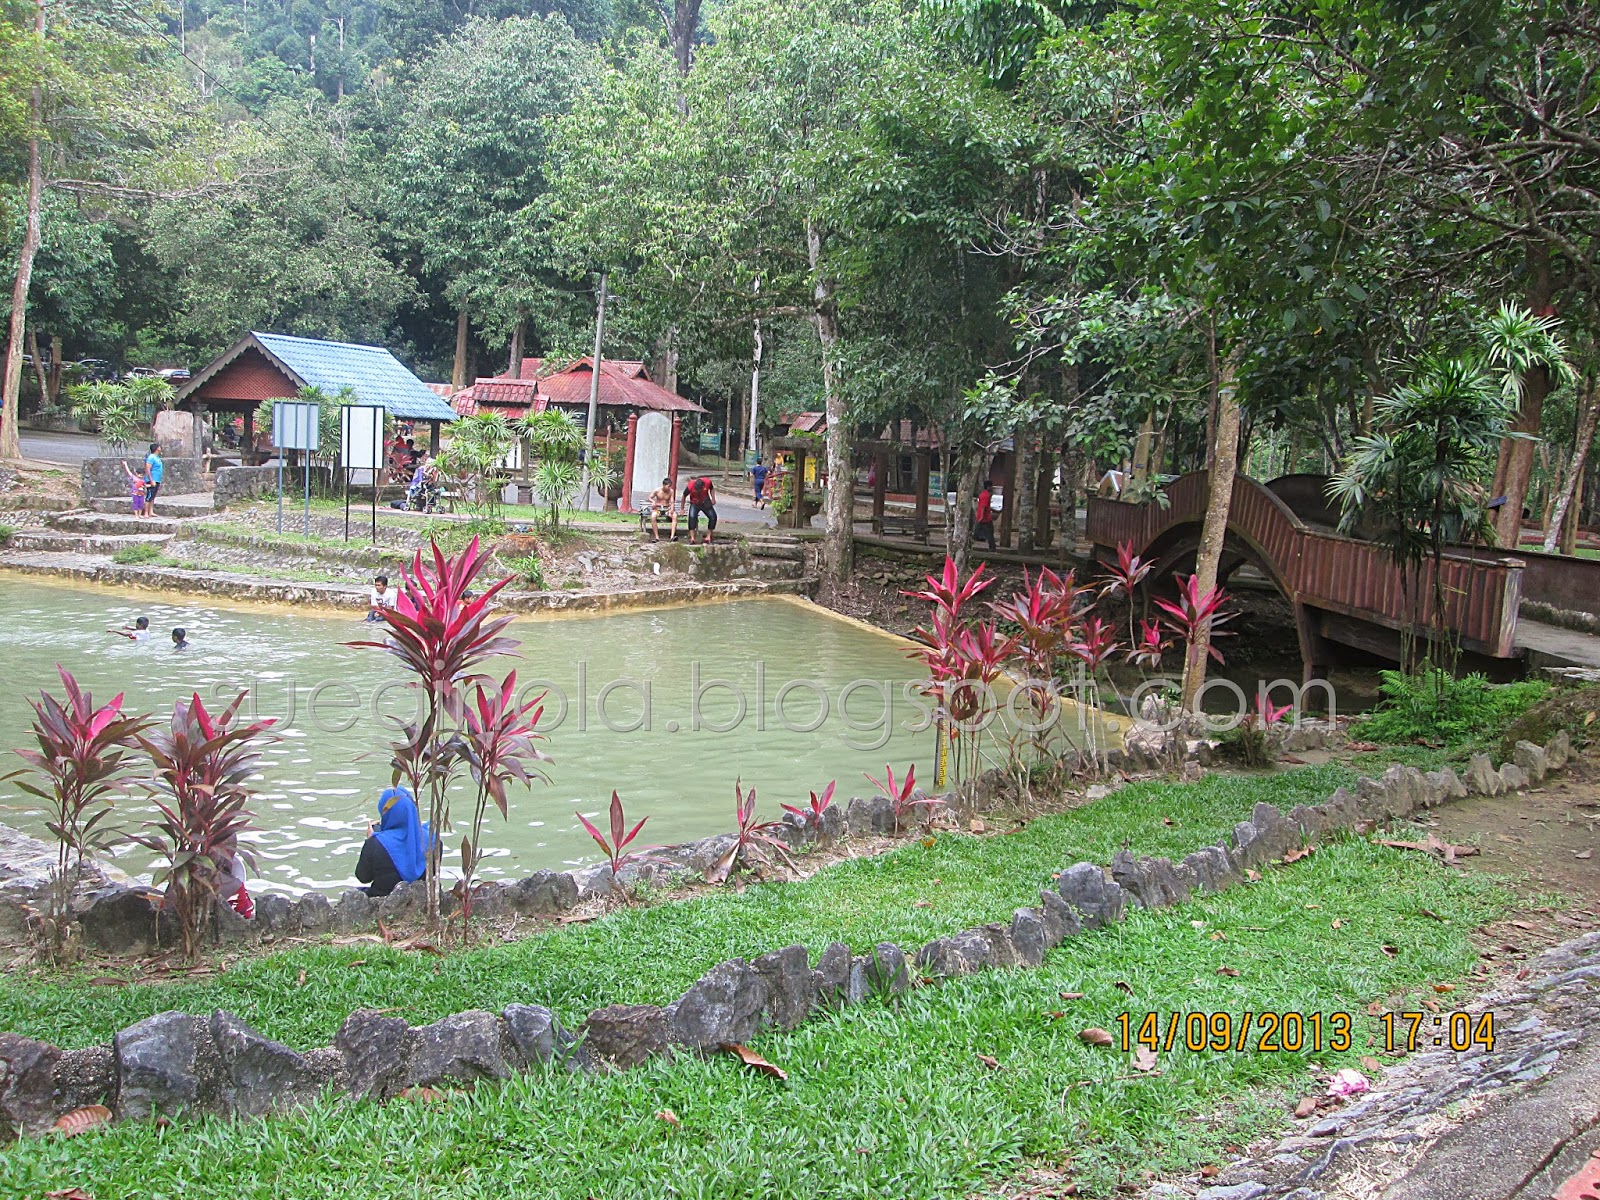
column 789, row 551
column 121, row 522
column 84, row 543
column 189, row 504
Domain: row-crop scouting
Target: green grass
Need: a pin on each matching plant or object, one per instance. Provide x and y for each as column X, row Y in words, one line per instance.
column 651, row 954
column 138, row 554
column 881, row 1102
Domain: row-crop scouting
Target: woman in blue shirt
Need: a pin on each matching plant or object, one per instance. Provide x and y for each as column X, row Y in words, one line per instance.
column 153, row 470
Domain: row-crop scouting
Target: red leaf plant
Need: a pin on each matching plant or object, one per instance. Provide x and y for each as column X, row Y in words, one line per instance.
column 812, row 814
column 442, row 637
column 203, row 763
column 83, row 756
column 749, row 832
column 900, row 793
column 1125, row 576
column 498, row 744
column 1150, row 646
column 616, row 849
column 1195, row 611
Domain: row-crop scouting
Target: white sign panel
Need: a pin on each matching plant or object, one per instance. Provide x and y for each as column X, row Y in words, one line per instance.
column 361, row 437
column 294, row 426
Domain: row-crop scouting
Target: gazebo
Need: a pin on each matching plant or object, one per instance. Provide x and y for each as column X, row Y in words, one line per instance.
column 274, row 366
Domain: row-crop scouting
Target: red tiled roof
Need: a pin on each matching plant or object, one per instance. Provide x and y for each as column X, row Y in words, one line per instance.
column 809, row 423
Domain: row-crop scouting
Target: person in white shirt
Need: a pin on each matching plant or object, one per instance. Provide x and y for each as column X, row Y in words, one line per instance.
column 139, row 631
column 382, row 597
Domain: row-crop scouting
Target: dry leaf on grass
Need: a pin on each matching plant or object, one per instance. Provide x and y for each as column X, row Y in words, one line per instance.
column 1230, row 972
column 1144, row 1059
column 301, row 981
column 978, row 826
column 108, row 981
column 1210, row 1171
column 1337, row 923
column 1444, row 988
column 989, row 1061
column 1444, row 851
column 1124, row 985
column 669, row 1117
column 1428, row 912
column 1375, row 1009
column 81, row 1120
column 923, row 904
column 1306, row 1107
column 426, row 1095
column 1253, row 876
column 754, row 1061
column 1295, row 855
column 1389, row 950
column 1095, row 1036
column 1370, row 1064
column 1584, row 854
column 1071, row 995
column 72, row 1193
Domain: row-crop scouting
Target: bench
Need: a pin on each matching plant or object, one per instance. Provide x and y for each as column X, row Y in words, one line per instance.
column 908, row 526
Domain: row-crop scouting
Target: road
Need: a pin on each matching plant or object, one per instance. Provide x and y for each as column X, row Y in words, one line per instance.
column 60, row 447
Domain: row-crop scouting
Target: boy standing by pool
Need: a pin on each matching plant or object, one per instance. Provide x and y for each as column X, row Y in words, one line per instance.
column 382, row 598
column 154, row 469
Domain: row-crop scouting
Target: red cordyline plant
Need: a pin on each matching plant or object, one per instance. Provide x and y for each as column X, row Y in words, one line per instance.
column 750, row 831
column 616, row 849
column 900, row 793
column 442, row 637
column 942, row 650
column 1150, row 646
column 1043, row 616
column 1194, row 611
column 812, row 814
column 1125, row 576
column 498, row 743
column 83, row 757
column 203, row 763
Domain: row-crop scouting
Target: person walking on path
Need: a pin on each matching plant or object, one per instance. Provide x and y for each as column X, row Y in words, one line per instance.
column 983, row 518
column 758, row 478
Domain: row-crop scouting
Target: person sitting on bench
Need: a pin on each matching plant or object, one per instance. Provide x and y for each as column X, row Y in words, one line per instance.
column 661, row 506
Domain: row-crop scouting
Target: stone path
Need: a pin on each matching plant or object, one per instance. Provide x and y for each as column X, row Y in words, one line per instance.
column 1508, row 1124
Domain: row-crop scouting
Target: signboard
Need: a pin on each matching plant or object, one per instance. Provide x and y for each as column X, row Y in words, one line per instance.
column 711, row 441
column 294, row 425
column 361, row 437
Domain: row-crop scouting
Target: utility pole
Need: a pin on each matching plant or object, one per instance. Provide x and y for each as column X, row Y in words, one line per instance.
column 755, row 379
column 594, row 390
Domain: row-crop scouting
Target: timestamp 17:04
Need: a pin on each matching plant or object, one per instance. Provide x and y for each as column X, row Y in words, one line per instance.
column 1295, row 1032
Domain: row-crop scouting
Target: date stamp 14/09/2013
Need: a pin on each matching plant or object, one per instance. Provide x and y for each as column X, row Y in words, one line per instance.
column 1296, row 1032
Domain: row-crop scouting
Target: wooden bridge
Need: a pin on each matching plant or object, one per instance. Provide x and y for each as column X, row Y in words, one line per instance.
column 1344, row 592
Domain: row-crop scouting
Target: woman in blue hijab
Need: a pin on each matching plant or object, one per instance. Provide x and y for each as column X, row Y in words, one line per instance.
column 396, row 850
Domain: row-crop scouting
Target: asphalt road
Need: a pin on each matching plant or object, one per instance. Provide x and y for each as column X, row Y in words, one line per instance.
column 60, row 447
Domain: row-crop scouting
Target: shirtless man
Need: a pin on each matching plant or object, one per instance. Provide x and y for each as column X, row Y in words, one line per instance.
column 661, row 506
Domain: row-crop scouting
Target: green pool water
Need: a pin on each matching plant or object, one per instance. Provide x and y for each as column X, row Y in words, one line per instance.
column 321, row 779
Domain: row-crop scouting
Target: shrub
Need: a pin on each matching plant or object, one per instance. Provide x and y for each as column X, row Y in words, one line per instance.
column 455, row 536
column 138, row 554
column 528, row 570
column 1434, row 706
column 7, row 532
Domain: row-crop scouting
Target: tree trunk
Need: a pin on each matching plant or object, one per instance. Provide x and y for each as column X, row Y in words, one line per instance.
column 458, row 370
column 1518, row 452
column 666, row 365
column 973, row 461
column 10, row 442
column 1225, row 459
column 38, row 365
column 1569, row 529
column 1587, row 420
column 839, row 520
column 57, row 355
column 514, row 366
column 680, row 30
column 1025, row 485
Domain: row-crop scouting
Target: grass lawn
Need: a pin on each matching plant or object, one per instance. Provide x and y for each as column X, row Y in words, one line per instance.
column 881, row 1102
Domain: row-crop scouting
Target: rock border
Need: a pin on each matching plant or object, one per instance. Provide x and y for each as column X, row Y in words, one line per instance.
column 174, row 1063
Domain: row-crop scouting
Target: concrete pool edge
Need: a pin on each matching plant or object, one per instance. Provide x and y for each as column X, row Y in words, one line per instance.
column 226, row 586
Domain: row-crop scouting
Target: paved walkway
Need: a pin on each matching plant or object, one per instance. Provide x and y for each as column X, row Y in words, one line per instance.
column 70, row 448
column 1552, row 646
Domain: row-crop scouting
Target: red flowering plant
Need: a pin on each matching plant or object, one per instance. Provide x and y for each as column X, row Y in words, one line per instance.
column 947, row 650
column 1124, row 577
column 83, row 759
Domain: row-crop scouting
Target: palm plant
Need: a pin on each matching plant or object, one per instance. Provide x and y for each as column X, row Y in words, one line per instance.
column 1419, row 480
column 1516, row 341
column 479, row 446
column 115, row 413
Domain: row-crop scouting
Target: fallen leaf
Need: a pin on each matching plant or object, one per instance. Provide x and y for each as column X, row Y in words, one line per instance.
column 1124, row 985
column 1431, row 1005
column 1584, row 854
column 356, row 962
column 929, row 843
column 1055, row 1016
column 1095, row 1036
column 1252, row 875
column 923, row 904
column 422, row 945
column 1368, row 1063
column 1375, row 1009
column 1168, row 821
column 1337, row 923
column 1444, row 988
column 1209, row 1171
column 1219, row 936
column 75, row 1193
column 1361, row 747
column 1428, row 912
column 1071, row 995
column 81, row 1120
column 1294, row 856
column 670, row 1117
column 1391, row 951
column 1144, row 1059
column 108, row 981
column 1432, row 846
column 427, row 1095
column 977, row 826
column 1306, row 1107
column 1524, row 973
column 301, row 982
column 1588, row 718
column 1522, row 924
column 1230, row 972
column 989, row 1061
column 754, row 1061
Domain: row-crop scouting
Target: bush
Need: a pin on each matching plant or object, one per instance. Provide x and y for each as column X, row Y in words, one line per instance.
column 7, row 532
column 528, row 570
column 455, row 536
column 137, row 554
column 1437, row 707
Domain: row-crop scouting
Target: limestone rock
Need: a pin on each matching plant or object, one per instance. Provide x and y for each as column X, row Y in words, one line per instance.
column 1447, row 783
column 1152, row 882
column 374, row 1049
column 87, row 1076
column 867, row 815
column 272, row 912
column 27, row 1086
column 1482, row 779
column 1060, row 919
column 1098, row 900
column 724, row 1005
column 354, row 910
column 888, row 973
column 1534, row 762
column 127, row 920
column 791, row 990
column 1028, row 937
column 537, row 1037
column 627, row 1034
column 1212, row 868
column 832, row 976
column 1558, row 750
column 312, row 913
column 1512, row 777
column 940, row 959
column 159, row 1066
column 461, row 1047
column 1342, row 809
column 259, row 1075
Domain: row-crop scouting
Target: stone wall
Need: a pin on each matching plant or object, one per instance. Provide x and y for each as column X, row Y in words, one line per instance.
column 237, row 484
column 104, row 479
column 175, row 1063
